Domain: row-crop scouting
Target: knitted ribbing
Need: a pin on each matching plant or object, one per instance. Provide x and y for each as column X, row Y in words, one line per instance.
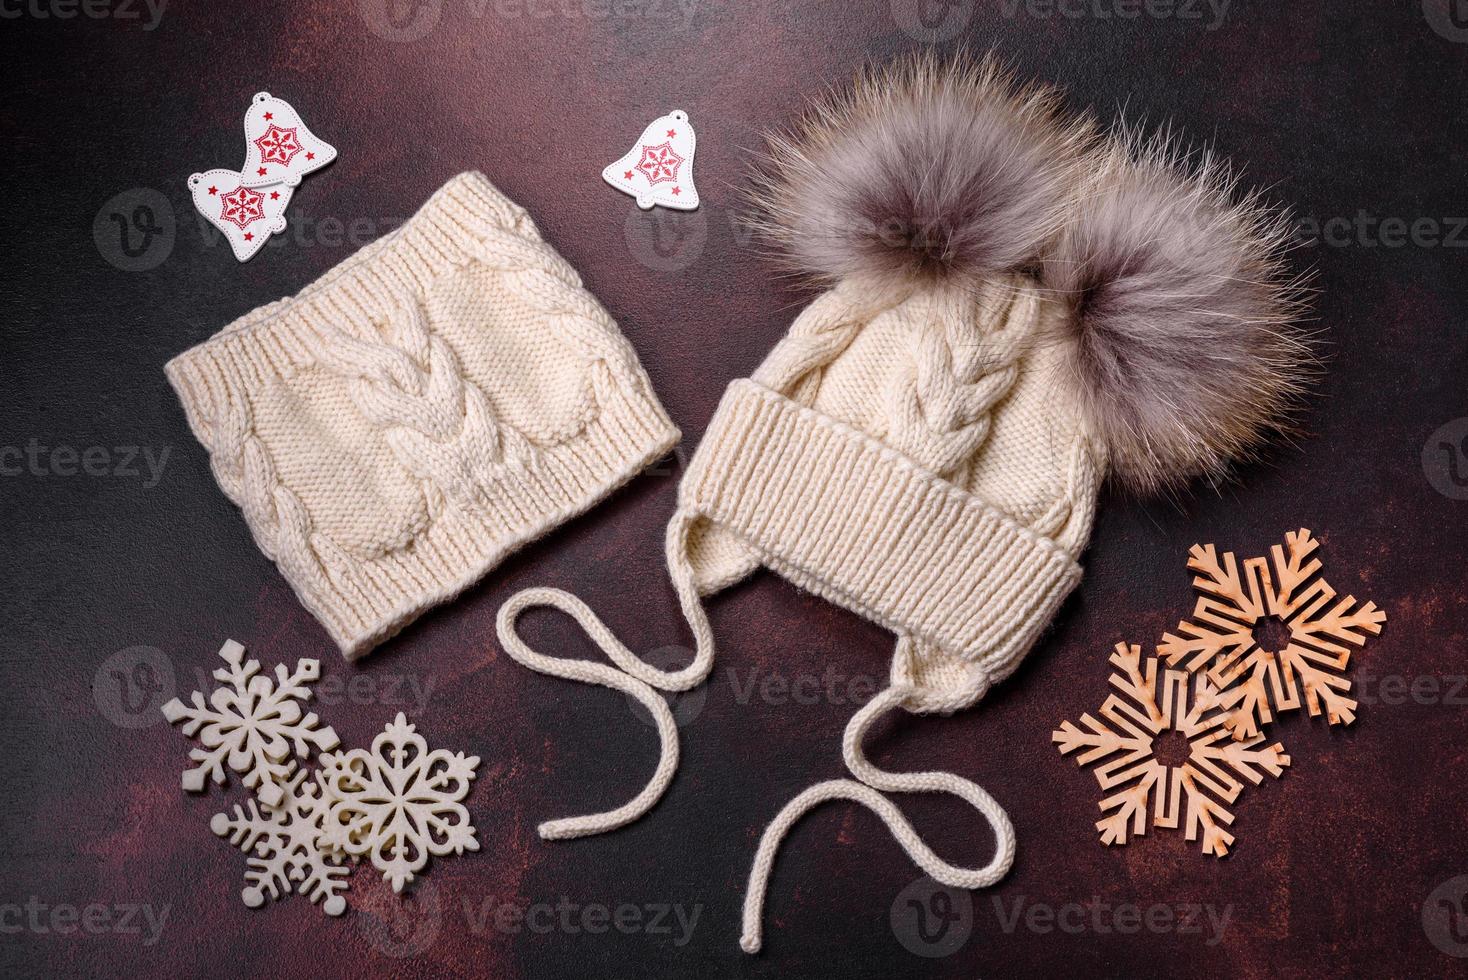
column 435, row 401
column 848, row 518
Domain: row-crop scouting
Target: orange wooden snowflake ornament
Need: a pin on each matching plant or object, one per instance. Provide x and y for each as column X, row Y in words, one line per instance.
column 1220, row 638
column 1202, row 788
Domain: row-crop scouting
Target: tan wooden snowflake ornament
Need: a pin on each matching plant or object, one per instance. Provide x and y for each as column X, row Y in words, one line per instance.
column 1220, row 637
column 1201, row 789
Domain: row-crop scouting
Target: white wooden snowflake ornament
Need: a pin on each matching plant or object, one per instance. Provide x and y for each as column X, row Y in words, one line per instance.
column 285, row 847
column 399, row 802
column 659, row 167
column 279, row 149
column 251, row 724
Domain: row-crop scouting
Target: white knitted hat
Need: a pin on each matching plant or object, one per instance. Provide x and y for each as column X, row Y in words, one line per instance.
column 438, row 399
column 1016, row 306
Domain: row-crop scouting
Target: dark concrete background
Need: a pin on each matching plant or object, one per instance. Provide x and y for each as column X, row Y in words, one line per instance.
column 1345, row 111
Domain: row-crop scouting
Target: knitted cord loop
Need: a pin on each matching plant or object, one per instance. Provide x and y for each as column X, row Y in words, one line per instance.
column 865, row 792
column 631, row 675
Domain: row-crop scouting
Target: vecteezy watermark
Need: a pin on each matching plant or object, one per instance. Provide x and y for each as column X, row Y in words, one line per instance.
column 569, row 918
column 93, row 919
column 123, row 10
column 664, row 240
column 1445, row 916
column 1427, row 690
column 1445, row 459
column 309, row 231
column 131, row 687
column 932, row 920
column 1367, row 230
column 399, row 925
column 830, row 687
column 135, row 230
column 1103, row 918
column 1209, row 13
column 1448, row 17
column 685, row 705
column 408, row 690
column 402, row 21
column 124, row 462
column 932, row 21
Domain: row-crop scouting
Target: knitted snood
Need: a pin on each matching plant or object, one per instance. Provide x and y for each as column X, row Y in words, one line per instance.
column 438, row 399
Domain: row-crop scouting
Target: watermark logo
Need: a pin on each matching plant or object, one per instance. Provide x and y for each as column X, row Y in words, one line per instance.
column 144, row 463
column 685, row 705
column 401, row 21
column 408, row 691
column 123, row 10
column 833, row 686
column 1445, row 916
column 132, row 686
column 135, row 230
column 1210, row 13
column 1103, row 918
column 95, row 919
column 1367, row 230
column 663, row 240
column 932, row 21
column 400, row 925
column 932, row 920
column 568, row 918
column 1449, row 18
column 1445, row 459
column 1426, row 690
column 404, row 21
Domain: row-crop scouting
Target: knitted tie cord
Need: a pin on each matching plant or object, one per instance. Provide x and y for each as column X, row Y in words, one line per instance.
column 432, row 403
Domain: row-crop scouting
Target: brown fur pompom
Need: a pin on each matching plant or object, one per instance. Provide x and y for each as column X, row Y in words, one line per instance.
column 1181, row 336
column 921, row 173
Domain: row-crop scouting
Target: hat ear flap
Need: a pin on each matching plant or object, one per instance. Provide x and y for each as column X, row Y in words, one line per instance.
column 1181, row 338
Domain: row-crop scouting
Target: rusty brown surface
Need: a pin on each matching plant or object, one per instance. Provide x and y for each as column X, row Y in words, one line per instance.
column 1342, row 110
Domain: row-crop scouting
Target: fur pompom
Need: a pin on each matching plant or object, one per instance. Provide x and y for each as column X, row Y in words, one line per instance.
column 923, row 173
column 1180, row 334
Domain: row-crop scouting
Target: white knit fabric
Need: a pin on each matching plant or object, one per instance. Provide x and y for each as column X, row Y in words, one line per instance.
column 912, row 460
column 438, row 399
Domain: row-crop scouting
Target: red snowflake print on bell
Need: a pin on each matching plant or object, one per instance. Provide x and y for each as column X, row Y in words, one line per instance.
column 247, row 216
column 279, row 147
column 241, row 206
column 659, row 167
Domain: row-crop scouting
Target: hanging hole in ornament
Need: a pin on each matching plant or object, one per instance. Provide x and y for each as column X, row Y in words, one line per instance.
column 680, row 115
column 1171, row 749
column 1272, row 634
column 261, row 96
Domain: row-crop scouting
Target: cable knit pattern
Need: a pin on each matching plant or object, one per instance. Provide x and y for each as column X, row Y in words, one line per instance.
column 435, row 401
